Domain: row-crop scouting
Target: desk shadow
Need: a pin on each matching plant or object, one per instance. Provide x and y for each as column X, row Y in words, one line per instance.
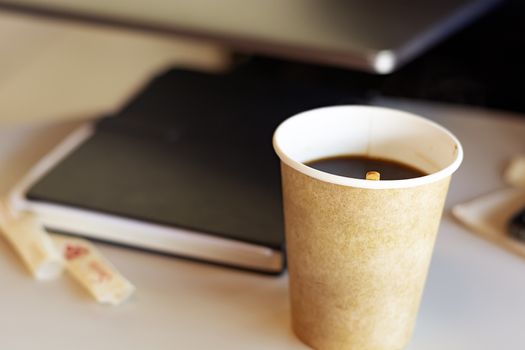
column 242, row 302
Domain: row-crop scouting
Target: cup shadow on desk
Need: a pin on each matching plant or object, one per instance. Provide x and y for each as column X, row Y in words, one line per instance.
column 248, row 303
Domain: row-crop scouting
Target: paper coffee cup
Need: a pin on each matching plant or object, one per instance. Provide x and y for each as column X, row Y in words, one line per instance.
column 359, row 250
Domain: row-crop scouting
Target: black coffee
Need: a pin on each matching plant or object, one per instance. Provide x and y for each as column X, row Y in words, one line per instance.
column 357, row 166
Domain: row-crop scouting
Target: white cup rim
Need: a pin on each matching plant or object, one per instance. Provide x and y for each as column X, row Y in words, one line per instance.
column 361, row 183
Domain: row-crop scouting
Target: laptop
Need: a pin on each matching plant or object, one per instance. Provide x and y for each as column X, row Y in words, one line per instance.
column 374, row 36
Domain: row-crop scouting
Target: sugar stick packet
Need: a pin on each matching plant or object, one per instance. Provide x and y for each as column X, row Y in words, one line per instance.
column 32, row 243
column 95, row 273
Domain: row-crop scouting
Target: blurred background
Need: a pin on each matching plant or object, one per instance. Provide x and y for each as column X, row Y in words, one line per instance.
column 73, row 57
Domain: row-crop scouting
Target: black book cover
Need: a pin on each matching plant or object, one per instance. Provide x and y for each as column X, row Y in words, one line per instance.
column 192, row 150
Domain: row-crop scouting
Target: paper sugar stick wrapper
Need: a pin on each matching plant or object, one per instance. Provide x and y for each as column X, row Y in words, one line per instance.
column 32, row 243
column 95, row 273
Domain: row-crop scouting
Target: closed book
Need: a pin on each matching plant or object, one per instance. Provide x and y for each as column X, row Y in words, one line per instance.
column 186, row 168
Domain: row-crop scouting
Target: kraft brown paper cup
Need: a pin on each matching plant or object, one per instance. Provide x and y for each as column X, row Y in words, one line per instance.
column 359, row 250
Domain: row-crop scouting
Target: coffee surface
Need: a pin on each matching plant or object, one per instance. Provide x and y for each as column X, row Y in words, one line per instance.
column 356, row 166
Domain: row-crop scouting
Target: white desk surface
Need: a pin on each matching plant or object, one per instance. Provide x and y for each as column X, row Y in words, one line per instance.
column 474, row 298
